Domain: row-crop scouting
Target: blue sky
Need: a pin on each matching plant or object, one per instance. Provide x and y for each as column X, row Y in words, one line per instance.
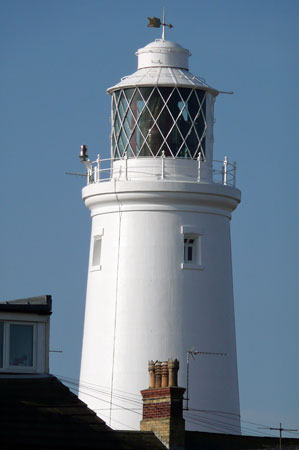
column 58, row 59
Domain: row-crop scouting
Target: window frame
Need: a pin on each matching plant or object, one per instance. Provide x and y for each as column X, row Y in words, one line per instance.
column 6, row 366
column 97, row 236
column 192, row 233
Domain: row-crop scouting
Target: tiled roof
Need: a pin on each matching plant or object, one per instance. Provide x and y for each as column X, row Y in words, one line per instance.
column 39, row 412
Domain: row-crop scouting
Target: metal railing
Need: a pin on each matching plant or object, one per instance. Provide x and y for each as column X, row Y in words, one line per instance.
column 101, row 170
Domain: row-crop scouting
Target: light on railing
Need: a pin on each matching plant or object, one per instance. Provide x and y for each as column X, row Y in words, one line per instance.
column 83, row 155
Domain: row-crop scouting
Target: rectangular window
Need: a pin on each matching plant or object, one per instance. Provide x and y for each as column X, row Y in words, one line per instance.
column 192, row 248
column 189, row 250
column 17, row 344
column 21, row 345
column 97, row 249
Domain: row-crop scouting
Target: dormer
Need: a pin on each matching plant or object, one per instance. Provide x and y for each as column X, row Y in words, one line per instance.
column 24, row 335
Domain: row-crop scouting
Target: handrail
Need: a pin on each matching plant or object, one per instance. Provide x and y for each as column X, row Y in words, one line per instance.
column 222, row 172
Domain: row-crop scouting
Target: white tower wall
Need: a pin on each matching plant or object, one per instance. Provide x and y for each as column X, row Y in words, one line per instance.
column 145, row 304
column 147, row 299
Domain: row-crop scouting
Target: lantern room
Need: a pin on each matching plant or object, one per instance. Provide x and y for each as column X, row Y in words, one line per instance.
column 162, row 108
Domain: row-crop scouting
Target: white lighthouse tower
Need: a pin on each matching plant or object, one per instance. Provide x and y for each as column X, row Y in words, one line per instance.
column 160, row 270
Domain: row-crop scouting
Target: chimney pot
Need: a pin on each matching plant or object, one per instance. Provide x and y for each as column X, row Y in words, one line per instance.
column 158, row 374
column 164, row 369
column 173, row 368
column 151, row 370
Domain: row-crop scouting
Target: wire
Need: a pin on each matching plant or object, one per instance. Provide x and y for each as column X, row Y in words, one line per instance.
column 116, row 295
column 224, row 424
column 78, row 389
column 106, row 393
column 220, row 425
column 97, row 385
column 206, row 426
column 121, row 423
column 215, row 425
column 224, row 414
column 191, row 415
column 106, row 401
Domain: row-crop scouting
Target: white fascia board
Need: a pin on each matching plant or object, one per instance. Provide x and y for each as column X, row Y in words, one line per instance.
column 24, row 317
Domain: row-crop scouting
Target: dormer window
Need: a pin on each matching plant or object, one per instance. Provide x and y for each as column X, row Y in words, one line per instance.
column 24, row 335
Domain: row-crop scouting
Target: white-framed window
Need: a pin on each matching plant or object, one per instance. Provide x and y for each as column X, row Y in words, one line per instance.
column 96, row 250
column 192, row 257
column 17, row 346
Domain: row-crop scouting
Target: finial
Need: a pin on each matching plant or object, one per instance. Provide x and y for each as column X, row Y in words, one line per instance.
column 155, row 22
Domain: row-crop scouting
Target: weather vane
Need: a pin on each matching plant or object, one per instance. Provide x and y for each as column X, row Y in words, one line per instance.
column 155, row 22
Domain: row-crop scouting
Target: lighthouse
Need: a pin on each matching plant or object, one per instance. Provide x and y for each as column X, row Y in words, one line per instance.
column 160, row 280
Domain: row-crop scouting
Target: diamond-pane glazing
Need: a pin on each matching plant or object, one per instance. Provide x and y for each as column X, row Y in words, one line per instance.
column 149, row 120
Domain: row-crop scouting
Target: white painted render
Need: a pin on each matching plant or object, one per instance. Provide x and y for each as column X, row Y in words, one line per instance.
column 143, row 300
column 142, row 305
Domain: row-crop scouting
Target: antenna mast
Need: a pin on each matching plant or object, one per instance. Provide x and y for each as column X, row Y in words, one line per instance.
column 280, row 429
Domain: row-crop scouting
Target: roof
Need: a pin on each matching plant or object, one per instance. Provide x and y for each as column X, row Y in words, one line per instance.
column 163, row 53
column 163, row 63
column 163, row 43
column 37, row 305
column 162, row 76
column 39, row 412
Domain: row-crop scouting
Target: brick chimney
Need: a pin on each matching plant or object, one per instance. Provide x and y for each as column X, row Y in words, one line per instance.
column 163, row 404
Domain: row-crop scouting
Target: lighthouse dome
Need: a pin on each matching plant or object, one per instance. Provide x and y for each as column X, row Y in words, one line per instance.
column 163, row 63
column 161, row 53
